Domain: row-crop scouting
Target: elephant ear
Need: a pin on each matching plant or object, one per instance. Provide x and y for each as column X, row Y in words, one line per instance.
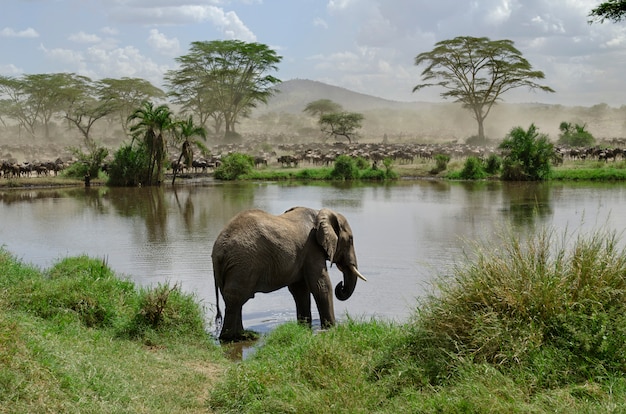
column 327, row 229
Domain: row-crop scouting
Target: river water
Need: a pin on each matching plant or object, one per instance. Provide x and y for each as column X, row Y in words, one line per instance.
column 405, row 233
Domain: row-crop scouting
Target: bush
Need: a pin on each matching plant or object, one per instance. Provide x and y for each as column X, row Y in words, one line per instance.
column 575, row 135
column 441, row 161
column 528, row 155
column 89, row 163
column 234, row 165
column 130, row 166
column 493, row 164
column 473, row 169
column 345, row 168
column 553, row 308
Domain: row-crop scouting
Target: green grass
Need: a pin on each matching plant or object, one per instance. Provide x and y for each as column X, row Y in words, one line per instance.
column 601, row 172
column 532, row 325
column 75, row 338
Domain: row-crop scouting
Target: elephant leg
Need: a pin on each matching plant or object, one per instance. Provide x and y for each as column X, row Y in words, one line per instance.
column 232, row 328
column 323, row 295
column 302, row 297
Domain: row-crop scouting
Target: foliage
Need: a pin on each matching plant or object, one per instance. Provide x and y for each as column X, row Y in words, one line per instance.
column 234, row 165
column 223, row 79
column 184, row 132
column 345, row 168
column 151, row 123
column 127, row 94
column 441, row 161
column 551, row 309
column 473, row 169
column 575, row 135
column 322, row 107
column 612, row 10
column 341, row 124
column 88, row 164
column 34, row 100
column 493, row 164
column 130, row 166
column 528, row 155
column 476, row 71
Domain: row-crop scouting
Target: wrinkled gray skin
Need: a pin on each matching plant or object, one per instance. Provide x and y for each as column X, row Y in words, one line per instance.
column 260, row 252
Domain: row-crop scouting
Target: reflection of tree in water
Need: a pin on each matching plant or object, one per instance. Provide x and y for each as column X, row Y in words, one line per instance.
column 147, row 203
column 527, row 201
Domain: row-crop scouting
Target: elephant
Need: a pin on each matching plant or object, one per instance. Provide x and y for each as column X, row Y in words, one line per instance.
column 261, row 252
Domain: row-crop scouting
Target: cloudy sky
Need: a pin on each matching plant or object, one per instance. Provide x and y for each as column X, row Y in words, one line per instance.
column 367, row 46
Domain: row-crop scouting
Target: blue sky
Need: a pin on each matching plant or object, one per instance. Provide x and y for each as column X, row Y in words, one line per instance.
column 364, row 45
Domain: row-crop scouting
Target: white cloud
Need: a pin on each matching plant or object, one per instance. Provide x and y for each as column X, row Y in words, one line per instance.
column 66, row 56
column 10, row 70
column 159, row 42
column 109, row 31
column 27, row 33
column 319, row 22
column 82, row 37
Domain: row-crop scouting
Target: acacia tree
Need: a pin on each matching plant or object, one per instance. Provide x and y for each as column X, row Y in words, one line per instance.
column 321, row 107
column 612, row 10
column 33, row 99
column 476, row 71
column 225, row 76
column 341, row 124
column 127, row 94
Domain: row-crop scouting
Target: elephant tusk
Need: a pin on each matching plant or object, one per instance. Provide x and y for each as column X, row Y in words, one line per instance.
column 355, row 270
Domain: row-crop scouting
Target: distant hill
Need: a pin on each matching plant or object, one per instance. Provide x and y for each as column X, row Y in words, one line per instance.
column 425, row 120
column 295, row 94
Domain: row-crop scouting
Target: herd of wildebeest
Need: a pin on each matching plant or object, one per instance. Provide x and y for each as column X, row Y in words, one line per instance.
column 293, row 155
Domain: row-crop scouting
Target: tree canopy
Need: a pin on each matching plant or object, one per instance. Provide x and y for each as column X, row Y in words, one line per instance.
column 223, row 79
column 321, row 107
column 476, row 71
column 341, row 124
column 612, row 10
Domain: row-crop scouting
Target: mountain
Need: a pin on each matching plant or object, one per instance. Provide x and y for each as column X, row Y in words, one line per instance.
column 293, row 95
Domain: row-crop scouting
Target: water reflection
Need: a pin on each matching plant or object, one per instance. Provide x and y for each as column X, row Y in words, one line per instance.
column 405, row 233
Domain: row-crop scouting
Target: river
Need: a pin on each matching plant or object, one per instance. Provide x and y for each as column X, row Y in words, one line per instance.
column 405, row 233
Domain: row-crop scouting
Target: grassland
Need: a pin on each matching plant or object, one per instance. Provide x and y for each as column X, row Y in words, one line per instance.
column 531, row 326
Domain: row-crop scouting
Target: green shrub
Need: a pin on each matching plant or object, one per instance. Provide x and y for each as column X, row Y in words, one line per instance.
column 473, row 169
column 345, row 168
column 234, row 165
column 89, row 163
column 130, row 166
column 441, row 163
column 575, row 135
column 528, row 155
column 493, row 164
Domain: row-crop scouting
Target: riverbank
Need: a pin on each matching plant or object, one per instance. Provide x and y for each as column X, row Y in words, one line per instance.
column 571, row 170
column 529, row 326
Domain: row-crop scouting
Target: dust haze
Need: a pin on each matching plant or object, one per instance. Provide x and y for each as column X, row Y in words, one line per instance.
column 282, row 120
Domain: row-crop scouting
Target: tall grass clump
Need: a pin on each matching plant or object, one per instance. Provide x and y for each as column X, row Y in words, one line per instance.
column 546, row 310
column 75, row 287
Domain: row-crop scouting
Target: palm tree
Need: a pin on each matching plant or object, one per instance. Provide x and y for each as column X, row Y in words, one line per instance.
column 153, row 122
column 184, row 131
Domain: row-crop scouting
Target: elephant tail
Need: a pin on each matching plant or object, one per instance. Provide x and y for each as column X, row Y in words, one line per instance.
column 218, row 315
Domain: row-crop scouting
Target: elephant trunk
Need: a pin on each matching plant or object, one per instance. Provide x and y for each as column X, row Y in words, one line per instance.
column 344, row 289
